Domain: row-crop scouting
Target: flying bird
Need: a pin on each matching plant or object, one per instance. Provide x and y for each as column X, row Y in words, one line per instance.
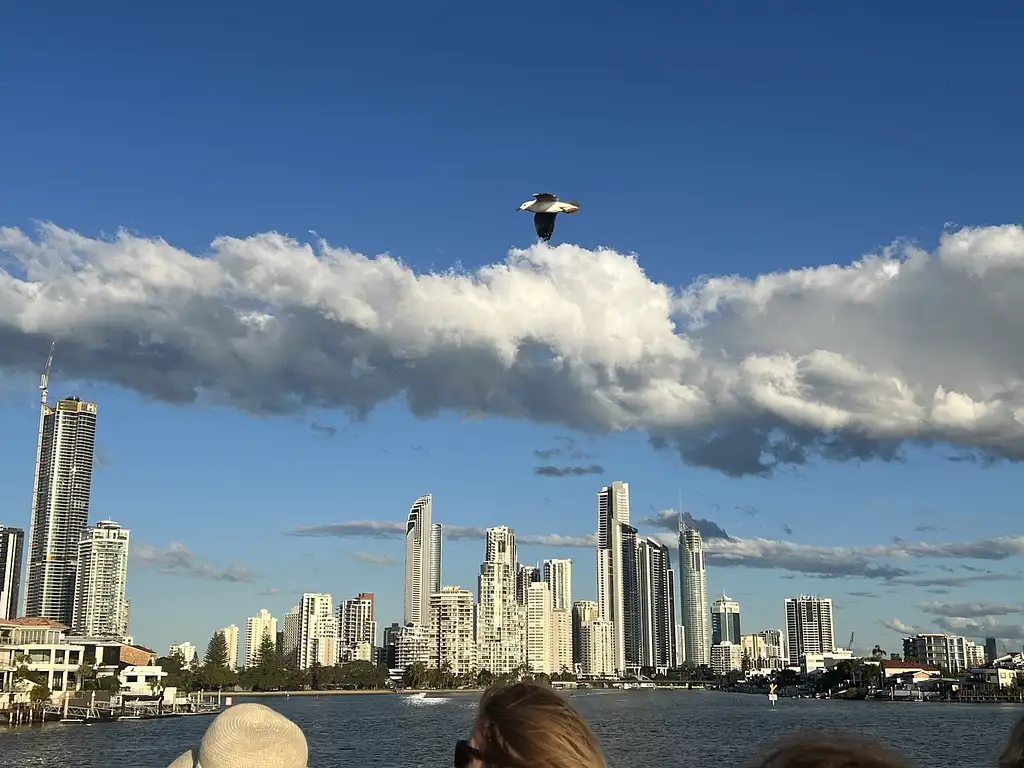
column 545, row 207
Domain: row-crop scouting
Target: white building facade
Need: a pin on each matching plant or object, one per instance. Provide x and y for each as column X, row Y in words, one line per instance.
column 318, row 631
column 809, row 626
column 540, row 646
column 582, row 611
column 263, row 624
column 230, row 634
column 186, row 651
column 726, row 657
column 498, row 629
column 596, row 652
column 101, row 600
column 422, row 566
column 358, row 627
column 12, row 550
column 558, row 575
column 452, row 630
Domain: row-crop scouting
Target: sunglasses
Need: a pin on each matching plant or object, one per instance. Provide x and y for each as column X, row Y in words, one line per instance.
column 464, row 753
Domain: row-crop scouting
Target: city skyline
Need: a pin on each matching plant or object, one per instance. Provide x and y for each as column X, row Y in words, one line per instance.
column 421, row 531
column 420, row 518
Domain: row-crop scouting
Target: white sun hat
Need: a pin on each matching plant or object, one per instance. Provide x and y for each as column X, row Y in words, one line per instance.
column 249, row 736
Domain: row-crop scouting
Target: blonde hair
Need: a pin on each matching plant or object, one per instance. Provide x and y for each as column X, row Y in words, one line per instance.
column 531, row 726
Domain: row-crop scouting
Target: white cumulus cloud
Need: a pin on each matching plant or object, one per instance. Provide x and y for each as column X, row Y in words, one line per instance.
column 742, row 375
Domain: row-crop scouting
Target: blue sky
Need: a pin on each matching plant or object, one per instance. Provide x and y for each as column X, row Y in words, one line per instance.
column 706, row 142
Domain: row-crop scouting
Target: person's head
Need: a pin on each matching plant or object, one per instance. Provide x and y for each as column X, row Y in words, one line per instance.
column 816, row 750
column 1013, row 753
column 248, row 735
column 528, row 725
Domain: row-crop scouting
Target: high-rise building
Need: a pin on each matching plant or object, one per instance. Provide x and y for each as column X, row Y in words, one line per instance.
column 726, row 657
column 101, row 602
column 540, row 646
column 561, row 642
column 12, row 544
column 318, row 631
column 612, row 515
column 358, row 627
column 452, row 636
column 436, row 552
column 991, row 650
column 421, row 561
column 763, row 650
column 676, row 637
column 185, row 650
column 952, row 653
column 60, row 506
column 725, row 621
column 290, row 637
column 558, row 575
column 498, row 627
column 415, row 644
column 809, row 627
column 525, row 576
column 693, row 595
column 656, row 593
column 774, row 643
column 582, row 612
column 230, row 634
column 632, row 599
column 597, row 658
column 390, row 645
column 500, row 546
column 256, row 628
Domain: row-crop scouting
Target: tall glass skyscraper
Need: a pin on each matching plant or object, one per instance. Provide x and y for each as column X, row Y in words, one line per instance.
column 725, row 621
column 693, row 595
column 612, row 522
column 60, row 507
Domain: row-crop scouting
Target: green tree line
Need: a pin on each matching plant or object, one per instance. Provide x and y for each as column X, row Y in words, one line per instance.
column 271, row 672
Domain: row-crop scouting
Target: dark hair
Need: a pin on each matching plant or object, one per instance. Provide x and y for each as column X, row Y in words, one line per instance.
column 531, row 726
column 816, row 750
column 1013, row 753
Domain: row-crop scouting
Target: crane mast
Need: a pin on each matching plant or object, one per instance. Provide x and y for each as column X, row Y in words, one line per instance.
column 44, row 379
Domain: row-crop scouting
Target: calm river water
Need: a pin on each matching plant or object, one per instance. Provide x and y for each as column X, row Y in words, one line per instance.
column 637, row 728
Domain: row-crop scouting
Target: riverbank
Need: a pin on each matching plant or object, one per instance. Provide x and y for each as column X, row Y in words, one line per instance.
column 339, row 692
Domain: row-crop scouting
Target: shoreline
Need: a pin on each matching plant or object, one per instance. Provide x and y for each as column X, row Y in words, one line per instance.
column 364, row 692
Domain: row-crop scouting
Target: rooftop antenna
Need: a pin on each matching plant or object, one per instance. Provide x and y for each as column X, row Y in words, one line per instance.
column 682, row 524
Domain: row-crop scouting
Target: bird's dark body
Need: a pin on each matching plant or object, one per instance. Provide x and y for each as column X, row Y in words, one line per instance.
column 544, row 223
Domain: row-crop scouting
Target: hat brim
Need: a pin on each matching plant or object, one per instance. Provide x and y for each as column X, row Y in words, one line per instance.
column 187, row 760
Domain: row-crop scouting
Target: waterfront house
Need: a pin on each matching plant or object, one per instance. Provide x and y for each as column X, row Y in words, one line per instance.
column 1000, row 677
column 42, row 647
column 39, row 645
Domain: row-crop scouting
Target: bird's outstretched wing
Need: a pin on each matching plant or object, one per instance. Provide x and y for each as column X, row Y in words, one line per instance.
column 545, row 197
column 544, row 224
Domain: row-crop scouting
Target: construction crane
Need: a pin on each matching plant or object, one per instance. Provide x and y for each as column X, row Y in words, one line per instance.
column 44, row 379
